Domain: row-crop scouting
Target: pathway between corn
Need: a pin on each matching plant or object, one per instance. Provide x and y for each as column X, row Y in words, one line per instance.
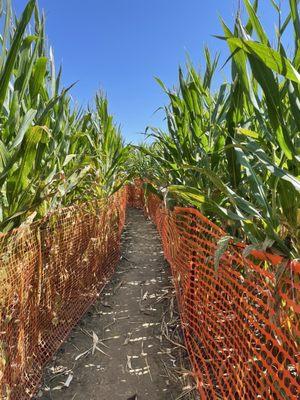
column 127, row 322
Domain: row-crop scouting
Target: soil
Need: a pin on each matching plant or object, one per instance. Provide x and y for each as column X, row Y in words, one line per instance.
column 126, row 347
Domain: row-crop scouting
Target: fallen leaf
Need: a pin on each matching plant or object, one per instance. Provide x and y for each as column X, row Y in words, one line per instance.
column 81, row 355
column 69, row 380
column 95, row 342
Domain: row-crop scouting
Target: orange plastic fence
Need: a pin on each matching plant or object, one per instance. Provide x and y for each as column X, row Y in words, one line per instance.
column 135, row 195
column 241, row 319
column 50, row 273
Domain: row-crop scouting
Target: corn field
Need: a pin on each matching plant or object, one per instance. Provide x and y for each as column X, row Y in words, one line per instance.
column 233, row 152
column 52, row 154
column 230, row 155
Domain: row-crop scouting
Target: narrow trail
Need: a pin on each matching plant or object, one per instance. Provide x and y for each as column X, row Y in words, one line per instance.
column 126, row 324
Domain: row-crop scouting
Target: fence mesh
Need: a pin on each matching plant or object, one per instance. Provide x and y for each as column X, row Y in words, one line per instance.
column 50, row 273
column 135, row 195
column 241, row 319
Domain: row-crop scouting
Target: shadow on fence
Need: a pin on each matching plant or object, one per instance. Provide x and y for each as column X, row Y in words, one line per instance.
column 242, row 320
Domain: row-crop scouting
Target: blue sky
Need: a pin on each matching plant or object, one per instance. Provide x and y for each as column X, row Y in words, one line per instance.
column 119, row 46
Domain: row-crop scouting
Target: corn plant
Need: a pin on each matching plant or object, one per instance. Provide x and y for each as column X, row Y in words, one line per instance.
column 50, row 151
column 105, row 152
column 234, row 152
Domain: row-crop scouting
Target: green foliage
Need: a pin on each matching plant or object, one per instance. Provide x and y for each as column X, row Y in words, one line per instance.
column 234, row 152
column 51, row 153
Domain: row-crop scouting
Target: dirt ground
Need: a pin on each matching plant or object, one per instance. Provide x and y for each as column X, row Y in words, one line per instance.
column 129, row 344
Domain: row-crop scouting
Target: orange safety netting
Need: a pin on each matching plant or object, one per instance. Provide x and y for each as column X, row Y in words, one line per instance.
column 135, row 195
column 50, row 273
column 241, row 320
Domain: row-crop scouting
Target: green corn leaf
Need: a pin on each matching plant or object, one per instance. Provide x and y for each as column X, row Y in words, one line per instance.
column 28, row 151
column 29, row 68
column 255, row 182
column 4, row 156
column 256, row 23
column 149, row 188
column 270, row 57
column 6, row 33
column 25, row 124
column 13, row 51
column 296, row 19
column 271, row 91
column 273, row 168
column 248, row 132
column 249, row 26
column 188, row 192
column 38, row 76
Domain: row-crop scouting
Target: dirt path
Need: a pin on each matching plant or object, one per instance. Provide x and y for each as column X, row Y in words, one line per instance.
column 119, row 350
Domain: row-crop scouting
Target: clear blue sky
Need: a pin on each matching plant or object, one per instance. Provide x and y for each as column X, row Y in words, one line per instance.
column 120, row 45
